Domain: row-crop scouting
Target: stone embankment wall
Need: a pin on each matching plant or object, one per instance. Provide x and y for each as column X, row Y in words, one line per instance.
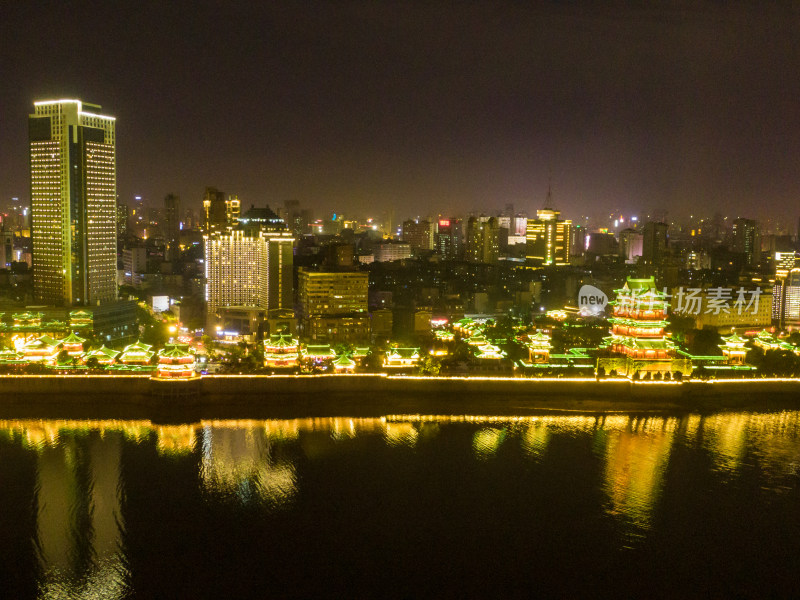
column 376, row 395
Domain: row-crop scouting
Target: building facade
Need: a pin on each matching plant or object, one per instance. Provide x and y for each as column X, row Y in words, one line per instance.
column 747, row 240
column 654, row 243
column 249, row 269
column 333, row 305
column 73, row 174
column 420, row 235
column 483, row 240
column 549, row 238
column 172, row 229
column 449, row 239
column 388, row 251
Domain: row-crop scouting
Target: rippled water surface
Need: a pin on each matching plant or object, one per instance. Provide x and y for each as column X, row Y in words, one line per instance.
column 570, row 506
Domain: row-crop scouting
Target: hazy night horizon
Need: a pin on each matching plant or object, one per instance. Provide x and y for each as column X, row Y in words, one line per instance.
column 355, row 107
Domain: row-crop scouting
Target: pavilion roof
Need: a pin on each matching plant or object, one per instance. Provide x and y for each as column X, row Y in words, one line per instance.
column 318, row 351
column 344, row 362
column 103, row 352
column 281, row 341
column 403, row 353
column 174, row 351
column 72, row 339
column 137, row 346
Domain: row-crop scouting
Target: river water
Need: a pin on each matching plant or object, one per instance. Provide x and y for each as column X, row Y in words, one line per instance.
column 540, row 506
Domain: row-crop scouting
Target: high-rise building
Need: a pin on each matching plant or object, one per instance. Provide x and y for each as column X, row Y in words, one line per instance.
column 122, row 219
column 449, row 239
column 419, row 235
column 631, row 243
column 483, row 240
column 215, row 211
column 747, row 240
column 172, row 226
column 297, row 219
column 251, row 265
column 654, row 243
column 73, row 170
column 786, row 300
column 333, row 305
column 136, row 221
column 549, row 238
column 233, row 209
column 6, row 246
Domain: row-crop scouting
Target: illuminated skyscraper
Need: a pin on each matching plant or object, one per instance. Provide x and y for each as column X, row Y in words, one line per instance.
column 250, row 266
column 549, row 238
column 73, row 203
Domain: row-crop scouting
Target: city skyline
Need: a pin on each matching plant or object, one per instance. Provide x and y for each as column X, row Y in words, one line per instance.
column 458, row 108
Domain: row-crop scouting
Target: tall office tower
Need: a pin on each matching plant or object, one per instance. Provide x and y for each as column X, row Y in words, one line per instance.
column 483, row 240
column 549, row 238
column 747, row 240
column 419, row 235
column 172, row 226
column 215, row 210
column 73, row 203
column 449, row 239
column 233, row 210
column 654, row 243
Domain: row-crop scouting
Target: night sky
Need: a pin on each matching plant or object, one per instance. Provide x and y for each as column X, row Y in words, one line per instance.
column 446, row 108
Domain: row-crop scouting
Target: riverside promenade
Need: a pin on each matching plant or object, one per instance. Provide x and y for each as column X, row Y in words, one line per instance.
column 287, row 396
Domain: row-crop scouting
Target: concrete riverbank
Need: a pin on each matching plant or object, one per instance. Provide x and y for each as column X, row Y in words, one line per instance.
column 243, row 396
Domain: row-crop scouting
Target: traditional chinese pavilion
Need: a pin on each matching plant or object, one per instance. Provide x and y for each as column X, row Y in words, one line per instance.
column 281, row 352
column 175, row 362
column 104, row 356
column 344, row 364
column 317, row 355
column 767, row 341
column 640, row 316
column 136, row 354
column 539, row 347
column 44, row 348
column 637, row 335
column 401, row 358
column 73, row 344
column 733, row 349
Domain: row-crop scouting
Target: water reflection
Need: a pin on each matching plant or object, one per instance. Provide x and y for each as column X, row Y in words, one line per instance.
column 77, row 492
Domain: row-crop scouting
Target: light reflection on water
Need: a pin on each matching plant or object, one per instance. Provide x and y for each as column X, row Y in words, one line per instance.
column 80, row 480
